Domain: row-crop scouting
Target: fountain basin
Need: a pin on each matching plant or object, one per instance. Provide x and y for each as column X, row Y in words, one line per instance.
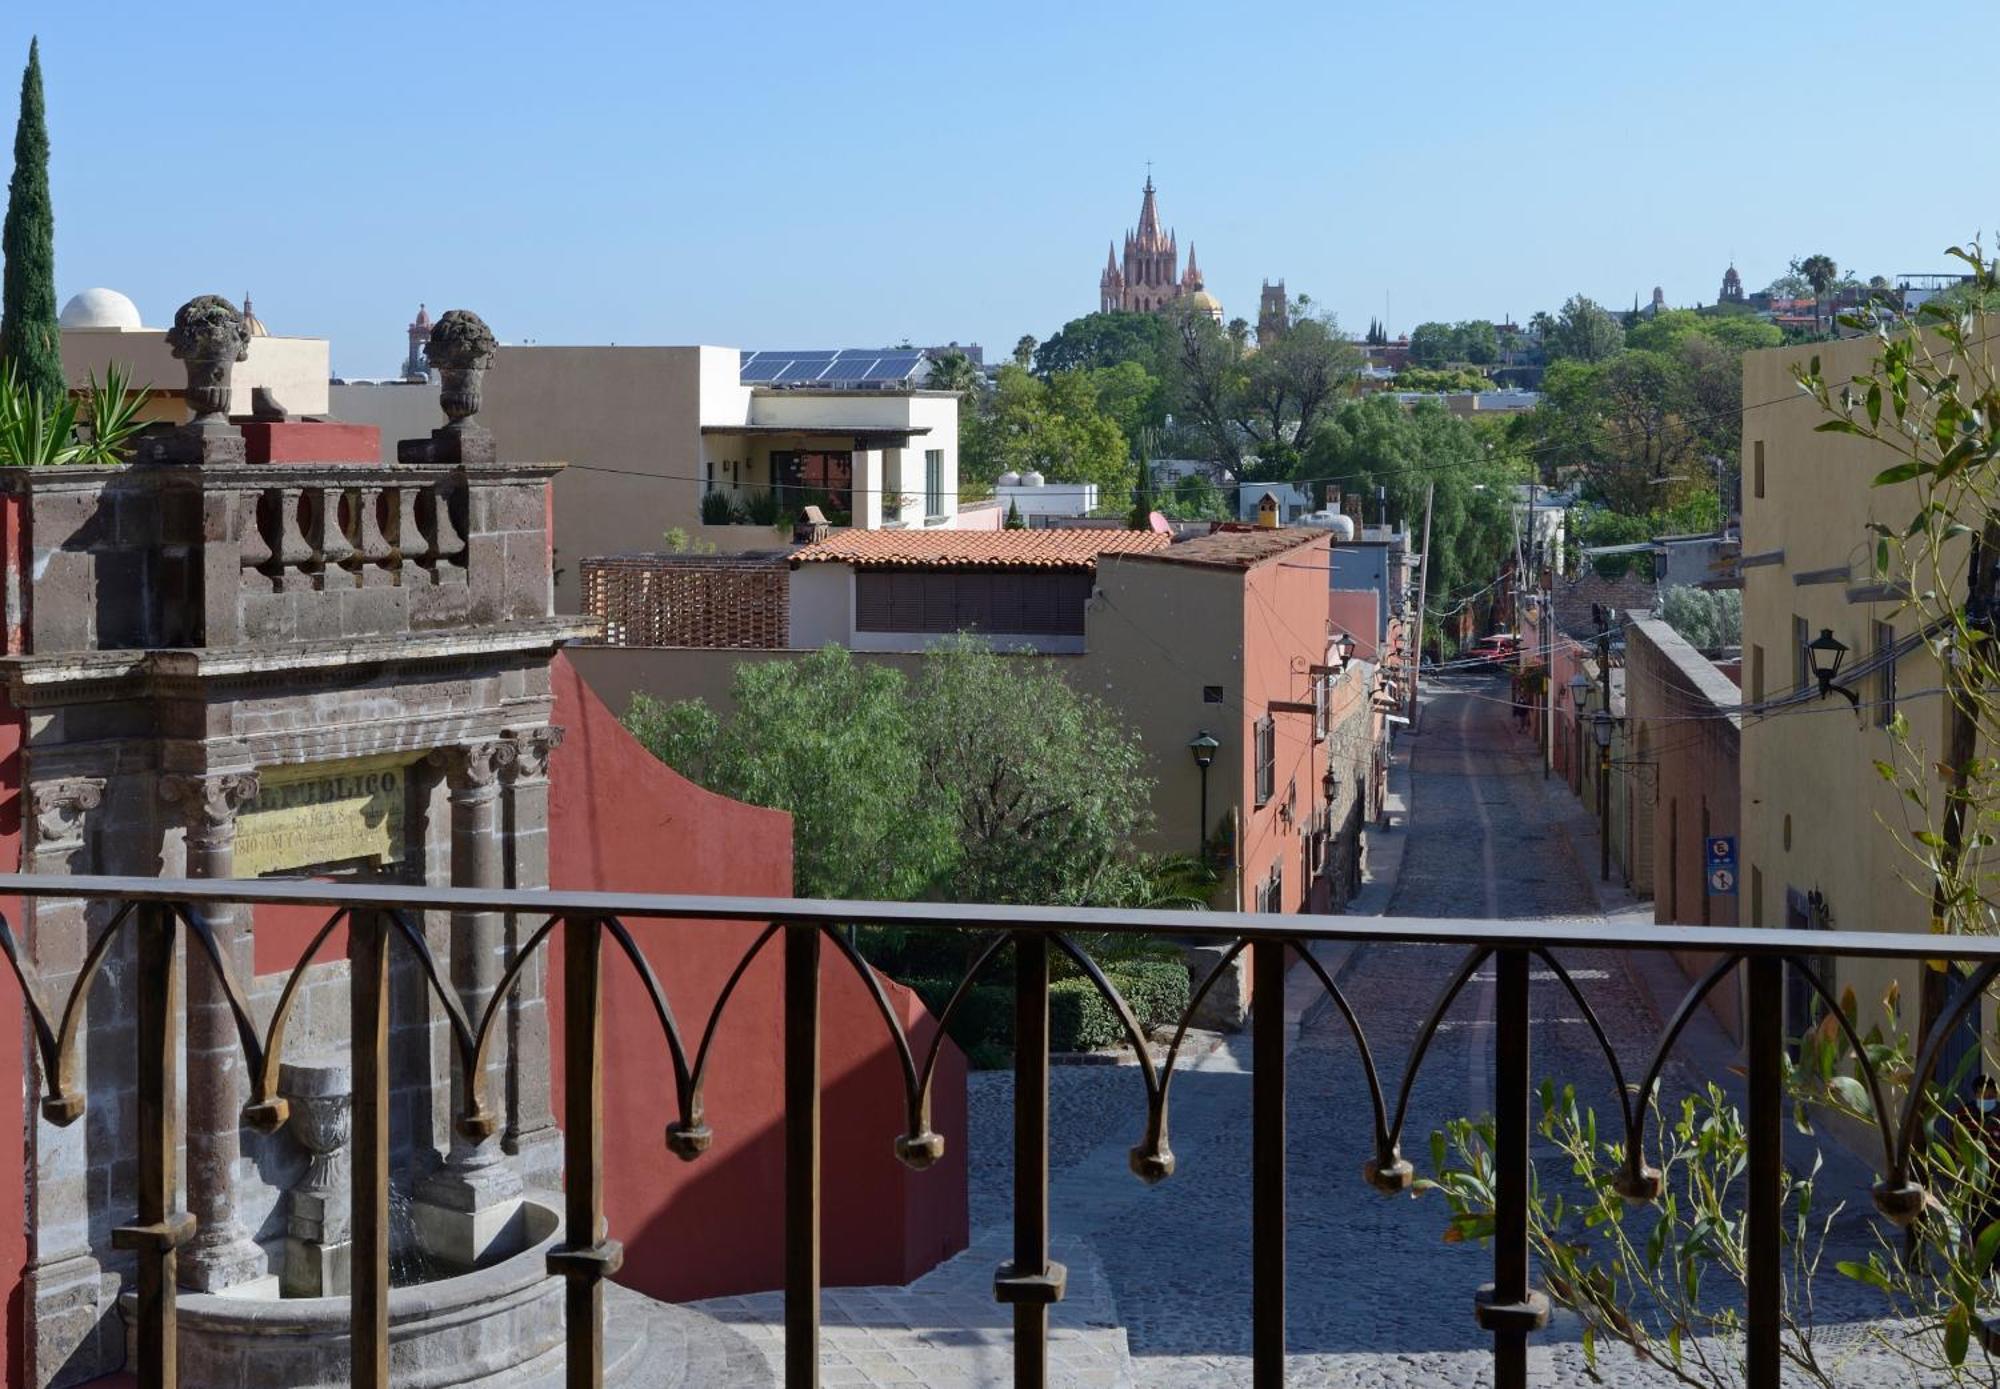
column 500, row 1325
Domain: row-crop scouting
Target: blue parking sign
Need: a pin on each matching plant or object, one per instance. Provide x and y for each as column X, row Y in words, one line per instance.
column 1721, row 865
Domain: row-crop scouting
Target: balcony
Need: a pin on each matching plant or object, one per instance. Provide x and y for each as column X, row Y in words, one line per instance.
column 600, row 928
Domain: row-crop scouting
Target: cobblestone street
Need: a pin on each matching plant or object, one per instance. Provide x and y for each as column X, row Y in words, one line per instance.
column 1376, row 1297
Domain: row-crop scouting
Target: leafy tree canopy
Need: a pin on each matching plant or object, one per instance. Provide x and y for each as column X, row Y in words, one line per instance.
column 987, row 778
column 1585, row 331
column 1057, row 426
column 1105, row 340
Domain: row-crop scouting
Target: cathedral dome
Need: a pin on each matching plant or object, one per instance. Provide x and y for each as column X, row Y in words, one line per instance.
column 1207, row 303
column 100, row 308
column 252, row 322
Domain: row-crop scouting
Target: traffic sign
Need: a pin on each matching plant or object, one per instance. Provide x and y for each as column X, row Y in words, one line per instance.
column 1721, row 867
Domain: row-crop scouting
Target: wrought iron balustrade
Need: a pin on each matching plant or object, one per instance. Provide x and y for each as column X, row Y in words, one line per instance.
column 162, row 911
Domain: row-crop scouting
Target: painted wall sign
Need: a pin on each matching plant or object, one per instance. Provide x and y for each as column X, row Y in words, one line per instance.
column 326, row 812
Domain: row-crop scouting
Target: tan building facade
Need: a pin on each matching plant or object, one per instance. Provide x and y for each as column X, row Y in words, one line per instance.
column 1821, row 829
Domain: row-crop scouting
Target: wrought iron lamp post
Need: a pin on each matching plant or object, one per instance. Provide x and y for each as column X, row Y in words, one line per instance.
column 1601, row 726
column 1825, row 653
column 1203, row 747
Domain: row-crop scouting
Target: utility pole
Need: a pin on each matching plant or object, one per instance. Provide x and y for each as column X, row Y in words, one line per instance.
column 1423, row 592
column 1604, row 761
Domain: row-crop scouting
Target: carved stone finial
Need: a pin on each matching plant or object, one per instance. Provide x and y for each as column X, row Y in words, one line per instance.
column 210, row 336
column 460, row 349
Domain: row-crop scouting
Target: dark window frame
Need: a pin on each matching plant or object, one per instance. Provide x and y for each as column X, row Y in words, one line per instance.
column 1266, row 754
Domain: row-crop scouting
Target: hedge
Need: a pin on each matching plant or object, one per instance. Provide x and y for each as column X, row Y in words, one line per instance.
column 1080, row 1018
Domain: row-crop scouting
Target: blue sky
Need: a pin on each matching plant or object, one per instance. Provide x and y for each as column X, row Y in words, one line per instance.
column 802, row 175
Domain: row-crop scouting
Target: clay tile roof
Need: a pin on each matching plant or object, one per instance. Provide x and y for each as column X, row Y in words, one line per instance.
column 1240, row 549
column 1022, row 549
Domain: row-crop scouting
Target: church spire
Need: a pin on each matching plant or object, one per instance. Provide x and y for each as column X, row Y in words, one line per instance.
column 1149, row 219
column 1193, row 277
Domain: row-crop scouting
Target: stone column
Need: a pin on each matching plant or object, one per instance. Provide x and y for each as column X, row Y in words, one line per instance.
column 470, row 1207
column 531, row 1134
column 222, row 1254
column 71, row 1335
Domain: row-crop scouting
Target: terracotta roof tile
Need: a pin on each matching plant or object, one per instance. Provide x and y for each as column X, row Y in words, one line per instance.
column 950, row 549
column 1240, row 548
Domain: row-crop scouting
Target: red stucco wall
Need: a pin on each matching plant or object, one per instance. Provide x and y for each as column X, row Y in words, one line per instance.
column 620, row 820
column 13, row 1071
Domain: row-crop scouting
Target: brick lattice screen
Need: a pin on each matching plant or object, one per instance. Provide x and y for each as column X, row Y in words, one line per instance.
column 739, row 601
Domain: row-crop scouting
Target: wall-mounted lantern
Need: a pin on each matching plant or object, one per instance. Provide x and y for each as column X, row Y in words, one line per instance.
column 1825, row 653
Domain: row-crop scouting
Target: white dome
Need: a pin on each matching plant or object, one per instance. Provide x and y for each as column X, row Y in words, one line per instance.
column 1031, row 478
column 100, row 308
column 1010, row 478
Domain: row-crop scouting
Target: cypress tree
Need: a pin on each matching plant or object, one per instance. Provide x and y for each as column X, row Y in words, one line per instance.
column 29, row 338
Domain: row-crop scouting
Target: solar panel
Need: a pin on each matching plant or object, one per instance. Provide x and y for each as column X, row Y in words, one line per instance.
column 851, row 369
column 894, row 368
column 796, row 372
column 762, row 370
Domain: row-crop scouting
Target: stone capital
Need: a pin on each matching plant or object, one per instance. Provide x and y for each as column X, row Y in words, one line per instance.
column 59, row 810
column 472, row 771
column 211, row 800
column 532, row 749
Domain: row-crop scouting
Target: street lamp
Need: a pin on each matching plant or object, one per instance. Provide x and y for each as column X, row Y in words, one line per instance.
column 1330, row 783
column 1825, row 653
column 1601, row 724
column 1203, row 747
column 1579, row 689
column 1344, row 644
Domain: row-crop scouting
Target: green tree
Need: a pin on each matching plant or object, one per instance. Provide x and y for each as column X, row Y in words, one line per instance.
column 1013, row 521
column 1478, row 342
column 30, row 341
column 1024, row 350
column 1195, row 498
column 1056, row 427
column 1374, row 442
column 1105, row 340
column 1288, row 385
column 1433, row 345
column 1205, row 383
column 1585, row 332
column 1131, row 396
column 1043, row 787
column 831, row 740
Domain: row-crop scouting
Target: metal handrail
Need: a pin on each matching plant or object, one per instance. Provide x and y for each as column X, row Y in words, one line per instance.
column 158, row 910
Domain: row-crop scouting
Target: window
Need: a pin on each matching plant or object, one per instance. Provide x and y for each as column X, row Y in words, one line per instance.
column 1211, row 694
column 1320, row 701
column 933, row 483
column 1271, row 896
column 1885, row 678
column 892, row 484
column 1802, row 676
column 1757, row 467
column 1756, row 675
column 1267, row 759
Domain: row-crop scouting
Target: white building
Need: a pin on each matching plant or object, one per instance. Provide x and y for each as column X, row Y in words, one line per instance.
column 102, row 328
column 658, row 438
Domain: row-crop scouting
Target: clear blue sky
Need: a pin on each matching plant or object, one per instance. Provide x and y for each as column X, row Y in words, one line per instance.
column 802, row 175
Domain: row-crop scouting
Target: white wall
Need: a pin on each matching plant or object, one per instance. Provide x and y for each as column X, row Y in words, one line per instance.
column 400, row 409
column 822, row 599
column 1050, row 499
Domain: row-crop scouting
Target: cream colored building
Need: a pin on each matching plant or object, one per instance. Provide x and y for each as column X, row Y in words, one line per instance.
column 648, row 431
column 1822, row 833
column 102, row 328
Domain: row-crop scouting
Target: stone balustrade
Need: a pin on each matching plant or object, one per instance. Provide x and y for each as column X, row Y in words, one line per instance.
column 254, row 555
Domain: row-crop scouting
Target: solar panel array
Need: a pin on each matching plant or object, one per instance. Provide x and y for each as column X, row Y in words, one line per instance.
column 849, row 366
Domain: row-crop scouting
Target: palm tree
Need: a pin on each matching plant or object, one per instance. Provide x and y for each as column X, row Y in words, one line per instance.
column 953, row 372
column 1820, row 273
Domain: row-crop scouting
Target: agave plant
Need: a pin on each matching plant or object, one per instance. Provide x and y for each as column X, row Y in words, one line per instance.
column 36, row 432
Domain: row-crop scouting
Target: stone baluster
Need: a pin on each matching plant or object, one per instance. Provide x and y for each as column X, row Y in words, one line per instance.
column 376, row 553
column 221, row 1255
column 531, row 1134
column 413, row 548
column 330, row 538
column 471, row 1205
column 253, row 548
column 69, row 1298
column 447, row 545
column 295, row 552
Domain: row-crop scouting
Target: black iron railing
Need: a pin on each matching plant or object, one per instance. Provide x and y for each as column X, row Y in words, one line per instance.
column 1510, row 1308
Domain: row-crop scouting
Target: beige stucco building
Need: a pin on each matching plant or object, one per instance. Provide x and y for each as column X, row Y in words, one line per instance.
column 649, row 431
column 101, row 328
column 1823, row 841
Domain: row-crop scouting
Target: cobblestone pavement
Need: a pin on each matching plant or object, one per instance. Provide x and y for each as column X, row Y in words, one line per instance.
column 1376, row 1298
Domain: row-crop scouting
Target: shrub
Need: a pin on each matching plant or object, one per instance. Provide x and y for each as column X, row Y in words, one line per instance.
column 1156, row 990
column 717, row 509
column 1079, row 1018
column 983, row 1026
column 762, row 508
